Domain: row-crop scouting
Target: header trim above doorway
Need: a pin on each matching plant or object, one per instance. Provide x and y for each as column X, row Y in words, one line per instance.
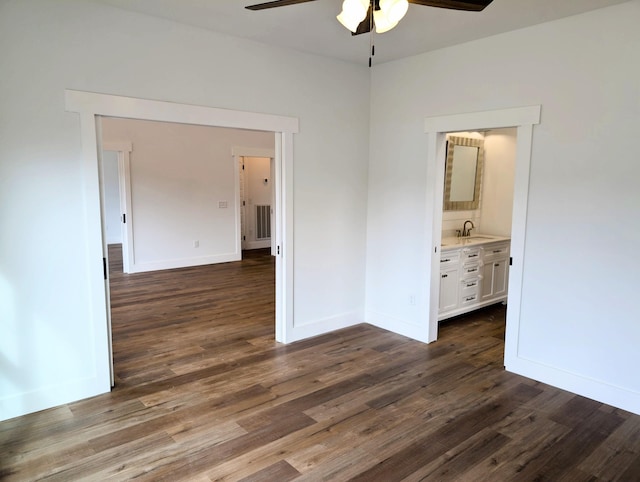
column 130, row 107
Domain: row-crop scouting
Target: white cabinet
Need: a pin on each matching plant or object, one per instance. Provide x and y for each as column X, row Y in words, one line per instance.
column 495, row 272
column 449, row 263
column 473, row 276
column 449, row 288
column 494, row 283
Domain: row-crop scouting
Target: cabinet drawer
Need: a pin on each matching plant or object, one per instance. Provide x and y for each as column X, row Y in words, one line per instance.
column 496, row 251
column 470, row 299
column 449, row 258
column 470, row 270
column 470, row 254
column 470, row 287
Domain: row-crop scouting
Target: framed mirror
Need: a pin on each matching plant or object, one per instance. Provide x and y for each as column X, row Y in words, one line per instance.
column 463, row 173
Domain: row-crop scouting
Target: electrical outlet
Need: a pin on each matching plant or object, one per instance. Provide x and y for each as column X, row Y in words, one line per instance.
column 223, row 204
column 412, row 299
column 196, row 244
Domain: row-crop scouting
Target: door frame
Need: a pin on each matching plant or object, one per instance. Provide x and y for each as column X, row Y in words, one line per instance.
column 242, row 152
column 123, row 151
column 523, row 119
column 91, row 106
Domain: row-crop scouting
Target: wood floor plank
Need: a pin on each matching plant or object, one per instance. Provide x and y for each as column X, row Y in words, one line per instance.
column 280, row 471
column 204, row 392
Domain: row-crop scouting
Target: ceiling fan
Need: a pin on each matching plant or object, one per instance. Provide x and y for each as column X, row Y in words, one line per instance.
column 361, row 16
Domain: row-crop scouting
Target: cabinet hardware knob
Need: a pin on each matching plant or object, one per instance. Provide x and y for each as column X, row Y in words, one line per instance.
column 497, row 264
column 444, row 275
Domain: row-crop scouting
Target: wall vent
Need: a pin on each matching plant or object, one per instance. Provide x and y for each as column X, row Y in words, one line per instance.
column 263, row 222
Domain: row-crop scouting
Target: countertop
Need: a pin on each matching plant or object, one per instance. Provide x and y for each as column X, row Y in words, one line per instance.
column 455, row 242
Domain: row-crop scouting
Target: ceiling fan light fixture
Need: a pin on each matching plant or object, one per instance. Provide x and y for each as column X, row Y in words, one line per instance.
column 382, row 22
column 394, row 10
column 347, row 22
column 353, row 12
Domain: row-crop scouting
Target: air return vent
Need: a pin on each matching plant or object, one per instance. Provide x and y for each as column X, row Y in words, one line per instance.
column 263, row 222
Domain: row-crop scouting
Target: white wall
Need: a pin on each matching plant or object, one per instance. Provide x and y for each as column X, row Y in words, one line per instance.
column 578, row 327
column 111, row 185
column 46, row 350
column 179, row 175
column 497, row 182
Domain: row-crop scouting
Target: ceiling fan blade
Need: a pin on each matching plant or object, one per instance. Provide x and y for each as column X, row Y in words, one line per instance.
column 276, row 3
column 365, row 25
column 468, row 5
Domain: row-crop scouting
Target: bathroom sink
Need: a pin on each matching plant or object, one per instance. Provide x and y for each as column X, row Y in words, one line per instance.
column 480, row 237
column 462, row 241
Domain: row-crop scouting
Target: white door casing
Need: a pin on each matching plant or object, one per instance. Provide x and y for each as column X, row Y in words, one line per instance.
column 523, row 118
column 90, row 106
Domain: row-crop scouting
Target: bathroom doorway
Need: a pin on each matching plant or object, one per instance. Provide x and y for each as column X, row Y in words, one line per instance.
column 522, row 120
column 476, row 221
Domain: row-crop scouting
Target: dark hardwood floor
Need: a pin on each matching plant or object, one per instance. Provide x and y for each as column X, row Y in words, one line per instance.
column 204, row 393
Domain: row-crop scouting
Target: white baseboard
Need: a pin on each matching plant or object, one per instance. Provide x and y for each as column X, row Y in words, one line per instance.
column 575, row 383
column 49, row 397
column 396, row 325
column 184, row 262
column 323, row 326
column 256, row 244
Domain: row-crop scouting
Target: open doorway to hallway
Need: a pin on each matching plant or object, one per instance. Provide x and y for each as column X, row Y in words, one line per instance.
column 92, row 108
column 257, row 199
column 189, row 279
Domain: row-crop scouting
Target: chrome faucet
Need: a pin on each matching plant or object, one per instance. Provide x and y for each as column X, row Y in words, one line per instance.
column 467, row 232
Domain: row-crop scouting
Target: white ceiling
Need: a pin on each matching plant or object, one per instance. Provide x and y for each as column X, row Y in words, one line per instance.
column 312, row 27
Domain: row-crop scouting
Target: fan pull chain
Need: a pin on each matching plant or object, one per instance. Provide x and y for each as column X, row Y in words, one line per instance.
column 372, row 47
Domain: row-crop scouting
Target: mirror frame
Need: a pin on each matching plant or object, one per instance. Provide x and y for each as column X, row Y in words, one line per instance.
column 462, row 205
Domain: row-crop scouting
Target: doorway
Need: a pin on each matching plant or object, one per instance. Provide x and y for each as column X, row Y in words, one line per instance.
column 90, row 107
column 256, row 201
column 523, row 119
column 178, row 177
column 115, row 175
column 476, row 220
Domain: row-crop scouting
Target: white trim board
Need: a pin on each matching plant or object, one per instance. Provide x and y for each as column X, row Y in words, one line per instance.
column 91, row 106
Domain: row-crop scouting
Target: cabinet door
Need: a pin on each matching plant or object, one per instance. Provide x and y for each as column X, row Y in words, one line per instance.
column 448, row 289
column 495, row 279
column 500, row 277
column 487, row 282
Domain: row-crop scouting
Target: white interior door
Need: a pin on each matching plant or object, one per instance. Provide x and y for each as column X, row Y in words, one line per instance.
column 105, row 249
column 243, row 202
column 125, row 219
column 272, row 173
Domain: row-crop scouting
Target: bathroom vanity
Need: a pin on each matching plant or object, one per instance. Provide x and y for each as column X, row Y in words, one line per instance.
column 474, row 272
